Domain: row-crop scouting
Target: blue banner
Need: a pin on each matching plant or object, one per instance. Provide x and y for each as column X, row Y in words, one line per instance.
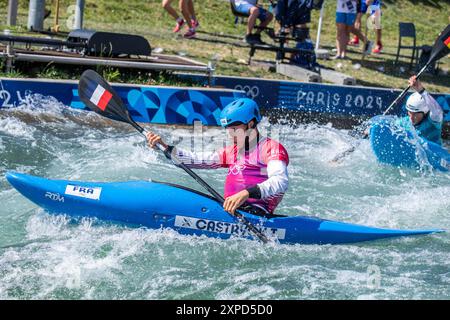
column 325, row 99
column 171, row 105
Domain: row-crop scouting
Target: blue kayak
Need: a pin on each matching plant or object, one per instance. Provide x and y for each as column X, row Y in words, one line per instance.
column 399, row 147
column 159, row 205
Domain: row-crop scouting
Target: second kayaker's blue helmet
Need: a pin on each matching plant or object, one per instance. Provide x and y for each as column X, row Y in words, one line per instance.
column 242, row 110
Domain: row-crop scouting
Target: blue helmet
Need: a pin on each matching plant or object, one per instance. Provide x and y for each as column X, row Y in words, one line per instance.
column 241, row 110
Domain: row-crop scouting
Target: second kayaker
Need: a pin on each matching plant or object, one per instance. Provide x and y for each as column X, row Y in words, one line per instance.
column 257, row 165
column 424, row 113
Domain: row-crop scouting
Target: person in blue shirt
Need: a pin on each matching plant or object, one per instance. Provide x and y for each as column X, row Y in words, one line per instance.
column 424, row 113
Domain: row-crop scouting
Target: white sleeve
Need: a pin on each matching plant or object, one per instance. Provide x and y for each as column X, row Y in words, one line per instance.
column 278, row 180
column 198, row 160
column 436, row 112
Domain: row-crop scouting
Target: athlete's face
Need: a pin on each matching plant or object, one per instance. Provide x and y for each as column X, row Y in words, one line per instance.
column 415, row 117
column 239, row 132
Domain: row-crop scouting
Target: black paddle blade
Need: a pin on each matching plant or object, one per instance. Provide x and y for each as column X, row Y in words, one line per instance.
column 442, row 45
column 98, row 96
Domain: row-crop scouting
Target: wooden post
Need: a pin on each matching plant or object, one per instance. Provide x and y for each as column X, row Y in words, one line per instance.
column 55, row 27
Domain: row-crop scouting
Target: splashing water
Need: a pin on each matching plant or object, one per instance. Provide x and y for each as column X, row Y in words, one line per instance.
column 50, row 257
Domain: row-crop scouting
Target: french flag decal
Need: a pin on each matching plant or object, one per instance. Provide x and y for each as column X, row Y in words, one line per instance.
column 101, row 97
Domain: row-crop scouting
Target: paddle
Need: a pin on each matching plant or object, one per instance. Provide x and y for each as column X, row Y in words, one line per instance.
column 440, row 49
column 98, row 96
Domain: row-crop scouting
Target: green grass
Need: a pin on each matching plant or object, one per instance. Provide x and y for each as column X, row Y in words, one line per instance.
column 147, row 18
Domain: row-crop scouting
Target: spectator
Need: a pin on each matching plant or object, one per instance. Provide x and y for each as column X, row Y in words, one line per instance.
column 255, row 12
column 295, row 15
column 375, row 16
column 187, row 9
column 345, row 18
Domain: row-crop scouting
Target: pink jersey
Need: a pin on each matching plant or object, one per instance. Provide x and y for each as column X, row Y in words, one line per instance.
column 249, row 169
column 264, row 165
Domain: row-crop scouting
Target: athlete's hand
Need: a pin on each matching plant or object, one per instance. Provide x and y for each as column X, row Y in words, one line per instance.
column 235, row 201
column 154, row 139
column 415, row 83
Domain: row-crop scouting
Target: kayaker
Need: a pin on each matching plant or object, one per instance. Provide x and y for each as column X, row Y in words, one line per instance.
column 257, row 165
column 424, row 112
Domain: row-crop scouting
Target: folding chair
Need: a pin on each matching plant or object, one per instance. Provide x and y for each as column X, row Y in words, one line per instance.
column 407, row 30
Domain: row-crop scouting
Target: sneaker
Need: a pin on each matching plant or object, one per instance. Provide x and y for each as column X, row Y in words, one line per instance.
column 195, row 24
column 336, row 57
column 189, row 34
column 178, row 26
column 368, row 47
column 378, row 48
column 251, row 39
column 258, row 39
column 354, row 42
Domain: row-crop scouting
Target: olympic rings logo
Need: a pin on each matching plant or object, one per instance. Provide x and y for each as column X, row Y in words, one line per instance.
column 251, row 92
column 237, row 169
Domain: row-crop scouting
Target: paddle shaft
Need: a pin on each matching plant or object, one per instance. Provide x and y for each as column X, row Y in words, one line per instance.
column 202, row 182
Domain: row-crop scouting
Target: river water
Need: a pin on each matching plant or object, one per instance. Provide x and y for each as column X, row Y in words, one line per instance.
column 49, row 257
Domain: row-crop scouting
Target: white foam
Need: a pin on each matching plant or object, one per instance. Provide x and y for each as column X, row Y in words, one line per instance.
column 16, row 128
